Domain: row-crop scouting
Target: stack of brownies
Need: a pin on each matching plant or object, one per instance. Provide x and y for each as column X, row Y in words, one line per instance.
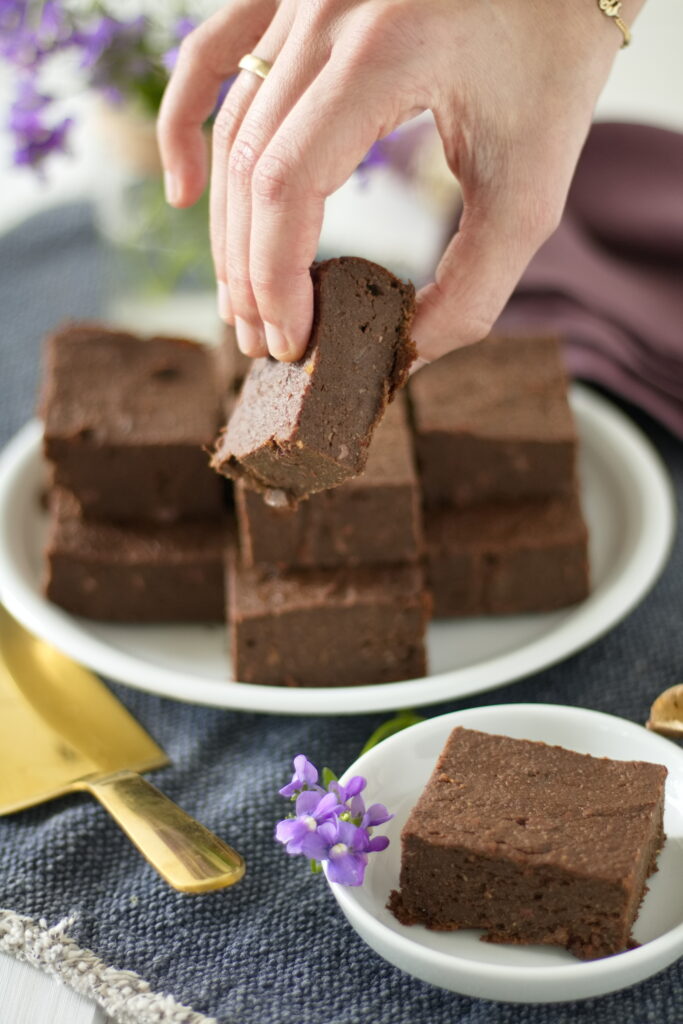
column 138, row 523
column 331, row 592
column 496, row 447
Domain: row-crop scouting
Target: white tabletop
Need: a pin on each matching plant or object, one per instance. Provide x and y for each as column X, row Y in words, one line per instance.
column 646, row 85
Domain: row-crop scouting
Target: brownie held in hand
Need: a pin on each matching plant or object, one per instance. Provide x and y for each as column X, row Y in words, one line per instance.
column 532, row 843
column 303, row 427
column 127, row 420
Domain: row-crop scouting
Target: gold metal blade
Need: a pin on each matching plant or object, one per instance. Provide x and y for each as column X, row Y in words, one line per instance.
column 58, row 723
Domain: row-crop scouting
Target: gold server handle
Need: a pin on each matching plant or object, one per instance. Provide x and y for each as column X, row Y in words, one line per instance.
column 186, row 854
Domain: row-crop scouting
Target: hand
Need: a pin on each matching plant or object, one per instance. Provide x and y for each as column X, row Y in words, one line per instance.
column 512, row 85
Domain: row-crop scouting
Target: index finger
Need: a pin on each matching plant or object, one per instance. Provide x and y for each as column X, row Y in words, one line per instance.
column 207, row 57
column 316, row 148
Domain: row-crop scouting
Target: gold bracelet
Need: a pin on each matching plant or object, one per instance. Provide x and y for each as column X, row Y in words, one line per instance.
column 612, row 8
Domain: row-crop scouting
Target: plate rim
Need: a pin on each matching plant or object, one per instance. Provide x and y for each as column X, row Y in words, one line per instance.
column 595, row 616
column 637, row 964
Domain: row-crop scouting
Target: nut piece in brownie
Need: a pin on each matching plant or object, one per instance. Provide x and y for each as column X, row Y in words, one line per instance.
column 372, row 519
column 135, row 572
column 507, row 559
column 492, row 422
column 126, row 422
column 303, row 427
column 340, row 627
column 532, row 843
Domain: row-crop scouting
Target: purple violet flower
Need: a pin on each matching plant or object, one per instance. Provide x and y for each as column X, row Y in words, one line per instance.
column 182, row 28
column 305, row 777
column 312, row 812
column 345, row 847
column 333, row 826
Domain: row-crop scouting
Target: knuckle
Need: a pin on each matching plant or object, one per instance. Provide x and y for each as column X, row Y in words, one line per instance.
column 242, row 162
column 544, row 213
column 476, row 326
column 274, row 178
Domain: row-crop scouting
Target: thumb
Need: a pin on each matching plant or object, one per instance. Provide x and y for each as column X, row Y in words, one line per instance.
column 496, row 239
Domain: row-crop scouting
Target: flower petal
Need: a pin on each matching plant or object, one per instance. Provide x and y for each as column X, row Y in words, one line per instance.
column 376, row 814
column 315, row 847
column 347, row 869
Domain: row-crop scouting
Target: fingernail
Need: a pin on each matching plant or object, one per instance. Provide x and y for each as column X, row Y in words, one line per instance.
column 278, row 345
column 224, row 303
column 171, row 188
column 249, row 338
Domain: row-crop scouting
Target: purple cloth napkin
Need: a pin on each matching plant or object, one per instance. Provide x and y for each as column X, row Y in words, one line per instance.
column 610, row 279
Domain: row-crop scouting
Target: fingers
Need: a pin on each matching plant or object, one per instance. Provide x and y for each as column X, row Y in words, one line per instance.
column 318, row 145
column 246, row 124
column 480, row 268
column 207, row 57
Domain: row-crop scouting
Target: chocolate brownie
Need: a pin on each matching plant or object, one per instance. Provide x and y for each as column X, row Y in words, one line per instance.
column 126, row 422
column 135, row 572
column 372, row 519
column 492, row 422
column 306, row 426
column 340, row 627
column 527, row 556
column 532, row 843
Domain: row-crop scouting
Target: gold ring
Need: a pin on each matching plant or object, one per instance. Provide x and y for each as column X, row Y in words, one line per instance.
column 255, row 64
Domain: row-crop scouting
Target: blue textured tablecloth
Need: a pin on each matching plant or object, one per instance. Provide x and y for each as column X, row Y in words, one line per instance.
column 276, row 947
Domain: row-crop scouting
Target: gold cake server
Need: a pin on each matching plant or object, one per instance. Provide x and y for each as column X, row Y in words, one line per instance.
column 62, row 730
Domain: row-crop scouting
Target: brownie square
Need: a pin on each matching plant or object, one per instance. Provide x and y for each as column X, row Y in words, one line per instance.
column 527, row 556
column 341, row 627
column 302, row 427
column 127, row 422
column 374, row 518
column 135, row 572
column 492, row 422
column 532, row 843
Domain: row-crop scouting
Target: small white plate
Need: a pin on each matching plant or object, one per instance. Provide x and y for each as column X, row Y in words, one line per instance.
column 397, row 771
column 630, row 511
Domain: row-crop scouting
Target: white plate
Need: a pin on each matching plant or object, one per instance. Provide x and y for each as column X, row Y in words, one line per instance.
column 630, row 511
column 397, row 771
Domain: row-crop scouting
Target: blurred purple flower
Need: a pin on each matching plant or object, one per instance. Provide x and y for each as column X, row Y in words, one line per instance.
column 114, row 52
column 26, row 40
column 94, row 41
column 182, row 28
column 38, row 141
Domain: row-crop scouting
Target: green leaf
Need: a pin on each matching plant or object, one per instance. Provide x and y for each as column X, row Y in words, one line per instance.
column 328, row 777
column 316, row 867
column 400, row 721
